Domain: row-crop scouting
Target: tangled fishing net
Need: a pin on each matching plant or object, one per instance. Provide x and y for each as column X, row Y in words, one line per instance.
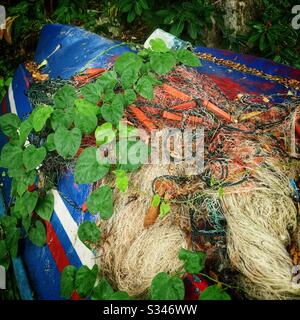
column 249, row 143
column 132, row 255
column 241, row 210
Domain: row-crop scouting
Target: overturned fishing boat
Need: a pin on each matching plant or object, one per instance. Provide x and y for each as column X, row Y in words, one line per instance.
column 240, row 210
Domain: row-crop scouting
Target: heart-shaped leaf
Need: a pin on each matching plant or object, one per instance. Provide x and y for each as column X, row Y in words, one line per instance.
column 88, row 169
column 26, row 204
column 194, row 261
column 126, row 61
column 64, row 97
column 162, row 63
column 88, row 232
column 67, row 142
column 214, row 293
column 165, row 287
column 107, row 81
column 145, row 88
column 62, row 118
column 158, row 45
column 101, row 200
column 11, row 156
column 33, row 157
column 37, row 234
column 85, row 121
column 85, row 280
column 92, row 92
column 39, row 117
column 26, row 180
column 45, row 206
column 128, row 78
column 67, row 281
column 104, row 133
column 102, row 291
column 9, row 123
column 113, row 113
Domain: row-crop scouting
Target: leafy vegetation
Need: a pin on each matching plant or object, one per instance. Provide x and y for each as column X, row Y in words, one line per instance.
column 88, row 233
column 23, row 161
column 214, row 292
column 272, row 35
column 46, row 132
column 193, row 261
column 188, row 18
column 166, row 287
column 83, row 281
column 171, row 287
column 87, row 282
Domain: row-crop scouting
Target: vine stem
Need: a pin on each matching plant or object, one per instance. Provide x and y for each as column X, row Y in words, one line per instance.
column 180, row 274
column 100, row 54
column 217, row 281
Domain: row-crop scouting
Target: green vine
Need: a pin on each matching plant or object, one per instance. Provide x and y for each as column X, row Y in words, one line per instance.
column 86, row 282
